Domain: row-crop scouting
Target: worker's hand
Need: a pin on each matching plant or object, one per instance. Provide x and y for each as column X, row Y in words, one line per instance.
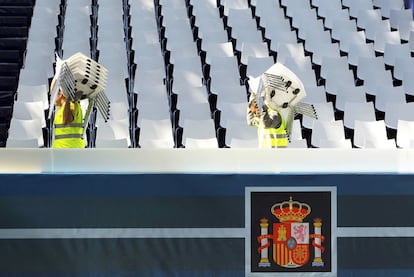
column 272, row 119
column 254, row 108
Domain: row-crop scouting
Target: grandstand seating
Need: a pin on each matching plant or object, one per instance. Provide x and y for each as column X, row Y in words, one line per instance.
column 173, row 62
column 15, row 19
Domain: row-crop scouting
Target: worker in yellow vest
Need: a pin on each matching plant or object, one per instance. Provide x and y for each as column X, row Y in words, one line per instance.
column 68, row 123
column 271, row 125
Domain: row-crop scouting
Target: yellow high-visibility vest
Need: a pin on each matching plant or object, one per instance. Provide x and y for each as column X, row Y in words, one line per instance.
column 69, row 135
column 273, row 137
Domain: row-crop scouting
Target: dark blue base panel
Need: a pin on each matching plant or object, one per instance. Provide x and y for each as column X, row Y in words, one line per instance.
column 186, row 201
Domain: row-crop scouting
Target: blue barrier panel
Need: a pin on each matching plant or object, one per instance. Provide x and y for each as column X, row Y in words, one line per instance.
column 190, row 224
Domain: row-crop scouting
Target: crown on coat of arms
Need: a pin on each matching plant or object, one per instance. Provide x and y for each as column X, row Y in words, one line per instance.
column 290, row 211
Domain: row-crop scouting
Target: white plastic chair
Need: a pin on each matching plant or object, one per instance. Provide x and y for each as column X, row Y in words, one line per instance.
column 341, row 143
column 33, row 93
column 232, row 111
column 340, row 26
column 405, row 27
column 303, row 69
column 348, row 38
column 233, row 4
column 330, row 64
column 357, row 5
column 29, row 110
column 354, row 111
column 112, row 143
column 241, row 135
column 296, row 132
column 273, row 23
column 372, row 134
column 349, row 93
column 398, row 111
column 324, row 111
column 364, row 17
column 372, row 72
column 299, row 13
column 325, row 131
column 253, row 49
column 325, row 50
column 366, row 65
column 357, row 50
column 400, row 15
column 289, row 50
column 22, row 130
column 386, row 6
column 375, row 26
column 384, row 37
column 257, row 65
column 408, row 82
column 333, row 14
column 193, row 111
column 199, row 129
column 336, row 79
column 148, row 78
column 324, row 6
column 114, row 130
column 386, row 95
column 156, row 133
column 394, row 51
column 405, row 134
column 315, row 94
column 221, row 49
column 23, row 143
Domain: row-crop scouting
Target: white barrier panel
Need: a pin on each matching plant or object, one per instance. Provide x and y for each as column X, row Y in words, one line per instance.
column 261, row 161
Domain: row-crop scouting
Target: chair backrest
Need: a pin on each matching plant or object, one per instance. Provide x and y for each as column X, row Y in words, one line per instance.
column 232, row 111
column 24, row 129
column 349, row 93
column 357, row 50
column 23, row 143
column 388, row 95
column 393, row 51
column 253, row 49
column 198, row 129
column 200, row 143
column 341, row 143
column 366, row 16
column 112, row 143
column 239, row 134
column 156, row 133
column 325, row 112
column 29, row 110
column 257, row 65
column 372, row 134
column 387, row 6
column 405, row 134
column 357, row 5
column 327, row 130
column 218, row 49
column 114, row 129
column 358, row 111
